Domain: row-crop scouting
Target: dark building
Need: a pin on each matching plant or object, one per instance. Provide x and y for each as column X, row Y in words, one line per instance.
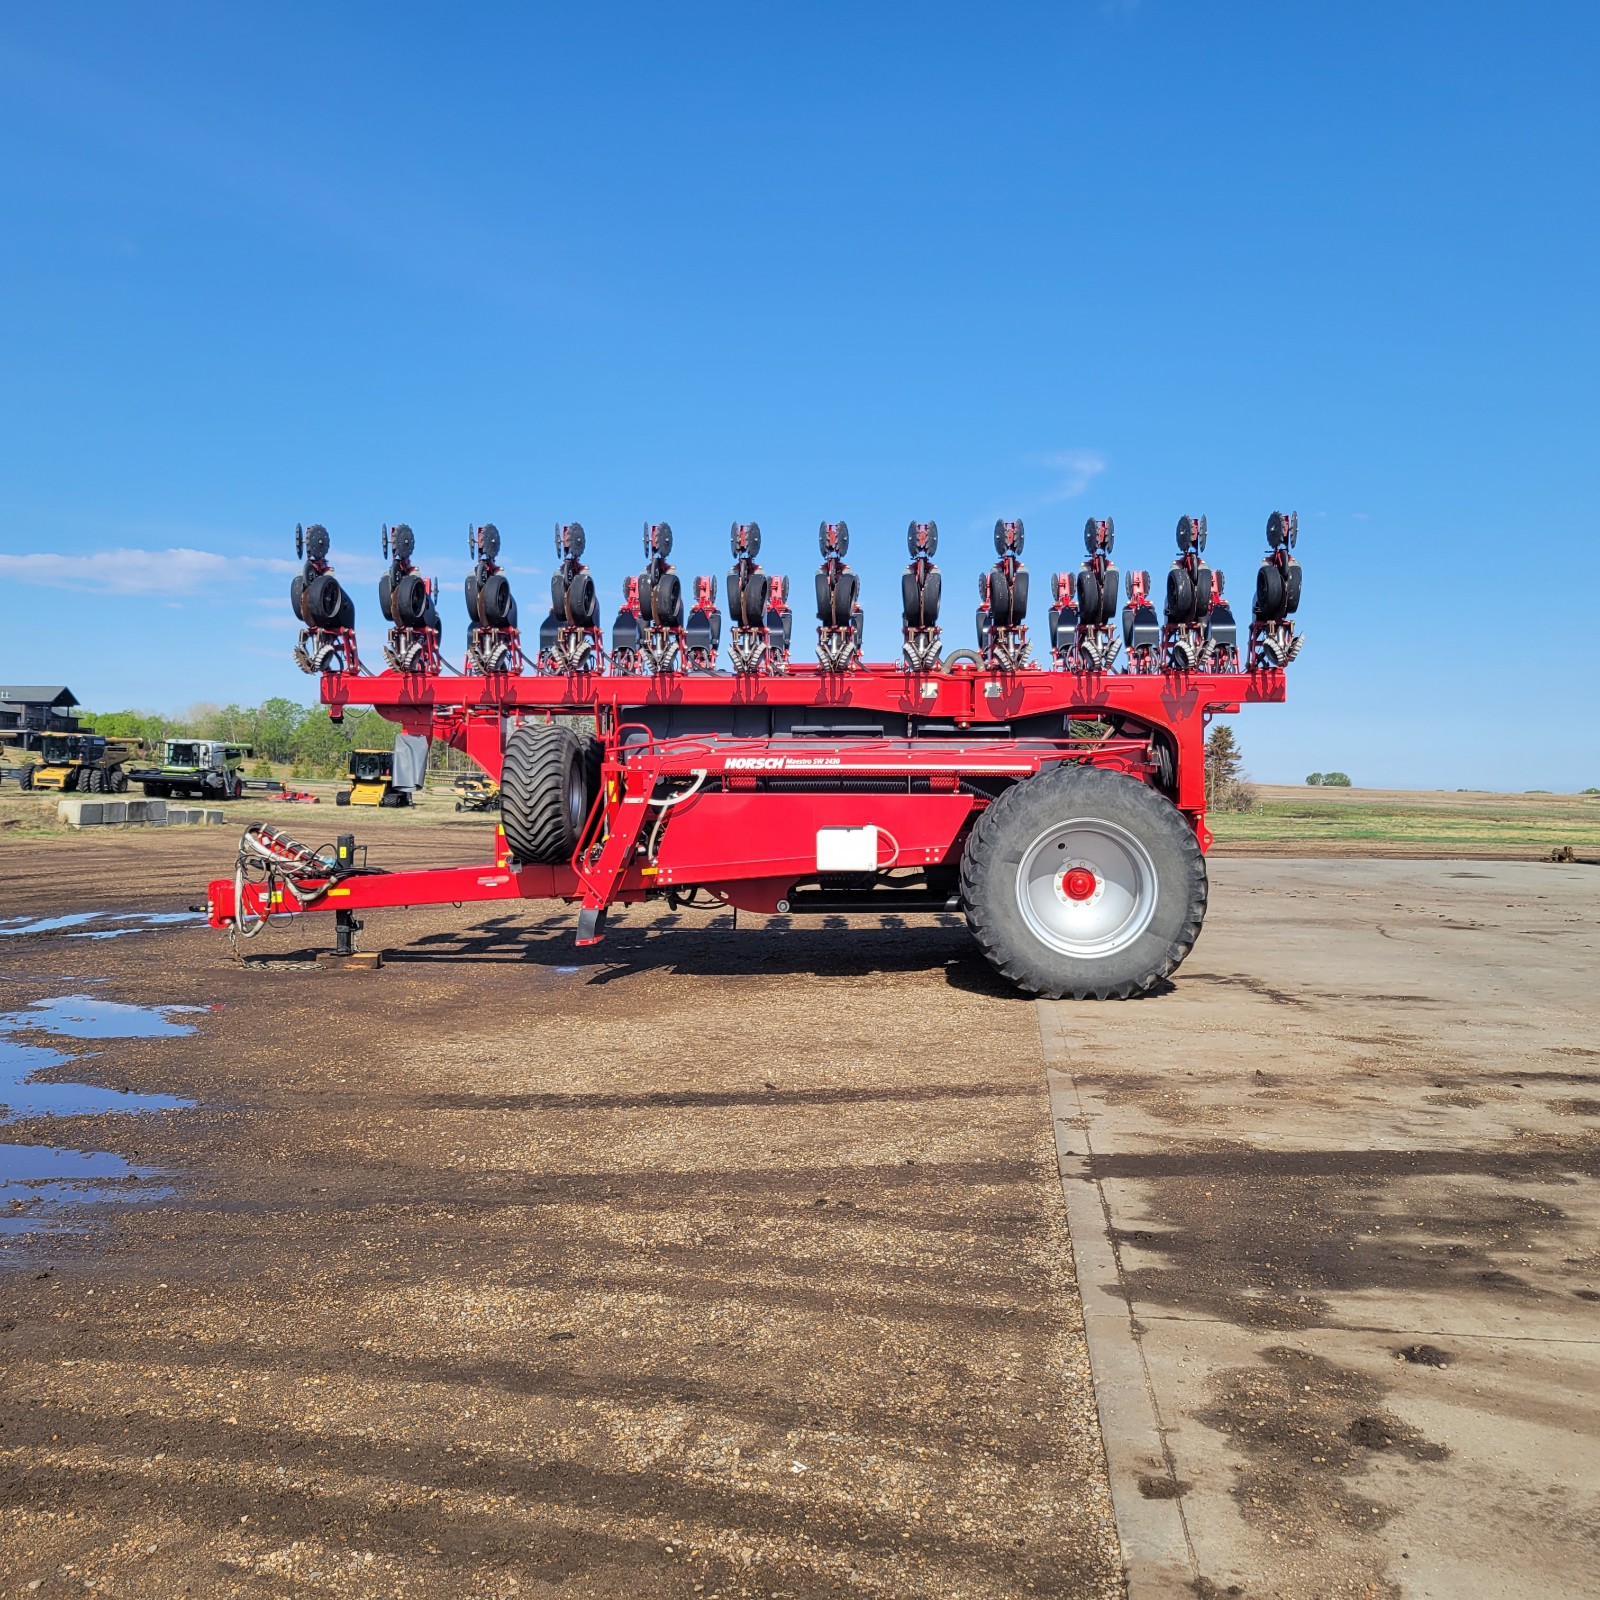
column 29, row 709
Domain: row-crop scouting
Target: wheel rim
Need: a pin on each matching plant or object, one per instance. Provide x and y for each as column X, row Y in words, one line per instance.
column 1086, row 887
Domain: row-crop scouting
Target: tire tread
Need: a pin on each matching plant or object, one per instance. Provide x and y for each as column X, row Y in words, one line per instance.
column 1010, row 960
column 533, row 809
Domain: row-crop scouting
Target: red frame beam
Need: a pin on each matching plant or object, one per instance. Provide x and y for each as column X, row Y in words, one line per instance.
column 746, row 841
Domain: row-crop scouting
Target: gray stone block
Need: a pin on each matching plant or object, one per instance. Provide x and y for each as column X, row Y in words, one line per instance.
column 78, row 813
column 112, row 811
column 216, row 817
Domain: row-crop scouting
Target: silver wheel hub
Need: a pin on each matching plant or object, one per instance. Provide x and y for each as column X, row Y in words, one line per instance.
column 1086, row 887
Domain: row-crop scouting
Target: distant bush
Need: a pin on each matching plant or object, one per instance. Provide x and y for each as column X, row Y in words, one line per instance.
column 1239, row 794
column 1313, row 778
column 1592, row 790
column 1334, row 780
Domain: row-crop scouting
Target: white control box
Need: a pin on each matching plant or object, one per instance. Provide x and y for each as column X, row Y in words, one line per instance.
column 847, row 849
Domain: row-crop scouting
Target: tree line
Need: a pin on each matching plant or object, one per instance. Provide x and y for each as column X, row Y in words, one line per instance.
column 282, row 734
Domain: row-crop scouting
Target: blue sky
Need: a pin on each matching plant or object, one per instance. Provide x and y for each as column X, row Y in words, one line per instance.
column 376, row 263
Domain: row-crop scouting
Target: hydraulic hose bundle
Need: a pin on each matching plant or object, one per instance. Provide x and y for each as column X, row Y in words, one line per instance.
column 276, row 865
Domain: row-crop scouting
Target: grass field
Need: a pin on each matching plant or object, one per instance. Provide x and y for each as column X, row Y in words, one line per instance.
column 1307, row 821
column 1286, row 821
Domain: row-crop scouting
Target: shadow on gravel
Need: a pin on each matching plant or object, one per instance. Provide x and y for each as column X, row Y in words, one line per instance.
column 830, row 947
column 670, row 1099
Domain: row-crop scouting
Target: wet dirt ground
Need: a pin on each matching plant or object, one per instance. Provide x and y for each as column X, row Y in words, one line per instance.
column 719, row 1262
column 703, row 1263
column 1347, row 1168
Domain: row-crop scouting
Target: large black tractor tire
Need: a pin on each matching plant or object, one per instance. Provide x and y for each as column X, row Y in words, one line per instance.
column 1083, row 884
column 544, row 792
column 25, row 778
column 342, row 798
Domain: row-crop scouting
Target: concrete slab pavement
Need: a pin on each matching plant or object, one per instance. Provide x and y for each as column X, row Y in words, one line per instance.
column 1338, row 1235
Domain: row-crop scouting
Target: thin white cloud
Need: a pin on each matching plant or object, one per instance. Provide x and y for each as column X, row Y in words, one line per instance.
column 152, row 572
column 1073, row 470
column 1077, row 469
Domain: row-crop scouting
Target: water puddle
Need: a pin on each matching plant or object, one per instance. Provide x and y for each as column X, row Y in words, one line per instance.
column 40, row 1183
column 81, row 1016
column 129, row 922
column 76, row 1016
column 23, row 1095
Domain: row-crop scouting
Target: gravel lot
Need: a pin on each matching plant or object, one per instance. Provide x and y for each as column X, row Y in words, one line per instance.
column 703, row 1263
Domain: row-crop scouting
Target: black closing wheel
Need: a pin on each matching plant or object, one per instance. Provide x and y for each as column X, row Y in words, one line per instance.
column 493, row 598
column 666, row 600
column 1000, row 597
column 321, row 600
column 747, row 600
column 1180, row 593
column 544, row 792
column 1083, row 884
column 409, row 600
column 583, row 606
column 1270, row 594
column 1089, row 597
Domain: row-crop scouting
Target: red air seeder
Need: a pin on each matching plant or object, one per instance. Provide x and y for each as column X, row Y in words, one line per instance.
column 1060, row 807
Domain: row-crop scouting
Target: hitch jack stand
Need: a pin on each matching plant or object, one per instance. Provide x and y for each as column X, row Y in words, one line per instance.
column 346, row 925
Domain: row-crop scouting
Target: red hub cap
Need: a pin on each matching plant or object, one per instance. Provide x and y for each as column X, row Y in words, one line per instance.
column 1078, row 883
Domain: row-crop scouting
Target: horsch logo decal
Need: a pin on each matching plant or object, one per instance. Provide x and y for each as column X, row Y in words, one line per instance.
column 780, row 763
